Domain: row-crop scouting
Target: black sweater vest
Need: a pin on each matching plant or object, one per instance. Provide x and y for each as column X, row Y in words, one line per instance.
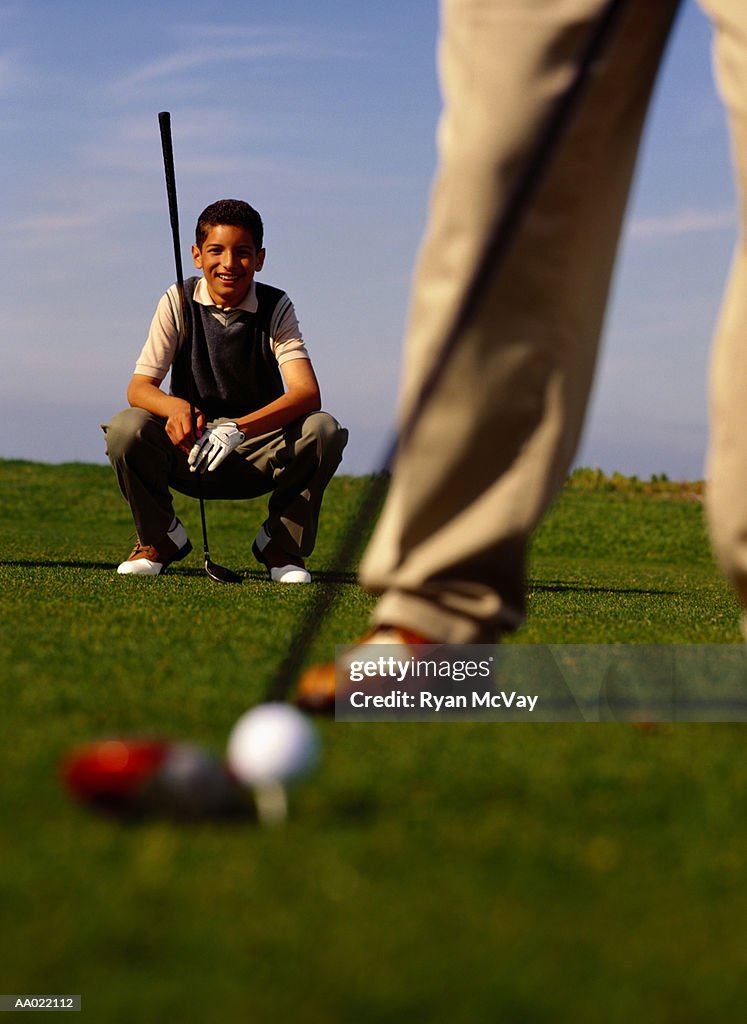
column 233, row 368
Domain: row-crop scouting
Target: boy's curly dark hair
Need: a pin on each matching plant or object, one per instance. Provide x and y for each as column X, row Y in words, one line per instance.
column 230, row 211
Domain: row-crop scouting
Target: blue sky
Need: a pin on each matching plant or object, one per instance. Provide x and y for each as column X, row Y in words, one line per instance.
column 323, row 116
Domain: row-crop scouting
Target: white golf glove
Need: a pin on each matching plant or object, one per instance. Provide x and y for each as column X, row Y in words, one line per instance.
column 213, row 447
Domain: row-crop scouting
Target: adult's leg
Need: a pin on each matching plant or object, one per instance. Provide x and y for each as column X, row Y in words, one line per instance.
column 727, row 462
column 495, row 442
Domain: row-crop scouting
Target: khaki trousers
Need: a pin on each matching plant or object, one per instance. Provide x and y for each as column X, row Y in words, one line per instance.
column 295, row 464
column 495, row 442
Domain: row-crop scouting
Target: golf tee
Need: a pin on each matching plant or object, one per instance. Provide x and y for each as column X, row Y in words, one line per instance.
column 272, row 803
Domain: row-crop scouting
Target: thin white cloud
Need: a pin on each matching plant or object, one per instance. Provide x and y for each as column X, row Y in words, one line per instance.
column 49, row 223
column 255, row 45
column 682, row 222
column 131, row 146
column 79, row 210
column 199, row 57
column 327, row 40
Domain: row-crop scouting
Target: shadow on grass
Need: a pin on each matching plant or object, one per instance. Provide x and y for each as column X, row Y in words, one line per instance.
column 260, row 575
column 255, row 575
column 329, row 576
column 559, row 587
column 332, row 576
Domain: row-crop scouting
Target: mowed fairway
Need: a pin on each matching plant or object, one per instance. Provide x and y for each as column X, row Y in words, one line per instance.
column 428, row 873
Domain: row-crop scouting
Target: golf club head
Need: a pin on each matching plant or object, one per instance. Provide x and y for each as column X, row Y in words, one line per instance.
column 219, row 573
column 135, row 778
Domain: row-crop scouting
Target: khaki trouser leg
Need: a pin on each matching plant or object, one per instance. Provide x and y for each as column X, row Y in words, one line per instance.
column 727, row 460
column 295, row 464
column 142, row 458
column 300, row 461
column 496, row 441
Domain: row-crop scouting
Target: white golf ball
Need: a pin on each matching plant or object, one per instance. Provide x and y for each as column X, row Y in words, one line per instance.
column 272, row 743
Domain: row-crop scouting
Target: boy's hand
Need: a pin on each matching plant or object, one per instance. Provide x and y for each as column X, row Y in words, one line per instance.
column 213, row 447
column 179, row 428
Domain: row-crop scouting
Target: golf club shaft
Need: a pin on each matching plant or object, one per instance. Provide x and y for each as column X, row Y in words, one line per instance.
column 164, row 122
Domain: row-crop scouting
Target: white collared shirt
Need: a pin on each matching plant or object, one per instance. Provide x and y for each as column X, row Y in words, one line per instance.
column 162, row 342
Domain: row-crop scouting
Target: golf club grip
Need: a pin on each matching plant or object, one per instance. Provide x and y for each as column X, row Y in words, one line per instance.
column 164, row 123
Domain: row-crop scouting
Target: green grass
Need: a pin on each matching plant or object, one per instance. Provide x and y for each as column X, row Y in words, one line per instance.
column 432, row 872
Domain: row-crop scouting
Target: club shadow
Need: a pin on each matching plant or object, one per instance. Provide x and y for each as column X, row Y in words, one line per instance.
column 560, row 587
column 260, row 575
column 335, row 576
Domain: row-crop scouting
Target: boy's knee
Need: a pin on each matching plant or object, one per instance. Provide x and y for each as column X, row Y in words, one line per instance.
column 329, row 437
column 124, row 431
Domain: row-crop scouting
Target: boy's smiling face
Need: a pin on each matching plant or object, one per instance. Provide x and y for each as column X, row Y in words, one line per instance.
column 228, row 260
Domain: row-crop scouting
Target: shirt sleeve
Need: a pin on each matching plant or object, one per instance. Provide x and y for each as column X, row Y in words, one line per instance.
column 162, row 342
column 286, row 340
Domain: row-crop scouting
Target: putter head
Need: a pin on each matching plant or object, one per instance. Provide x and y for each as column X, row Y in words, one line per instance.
column 220, row 574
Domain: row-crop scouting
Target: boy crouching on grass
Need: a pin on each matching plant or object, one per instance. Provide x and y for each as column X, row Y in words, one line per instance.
column 258, row 425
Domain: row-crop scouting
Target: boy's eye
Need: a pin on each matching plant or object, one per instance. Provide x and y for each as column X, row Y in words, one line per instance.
column 242, row 254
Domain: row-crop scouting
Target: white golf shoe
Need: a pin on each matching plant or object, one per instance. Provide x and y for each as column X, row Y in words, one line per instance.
column 278, row 563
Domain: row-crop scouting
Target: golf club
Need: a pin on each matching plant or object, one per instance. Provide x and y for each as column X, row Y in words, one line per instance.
column 216, row 572
column 498, row 242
